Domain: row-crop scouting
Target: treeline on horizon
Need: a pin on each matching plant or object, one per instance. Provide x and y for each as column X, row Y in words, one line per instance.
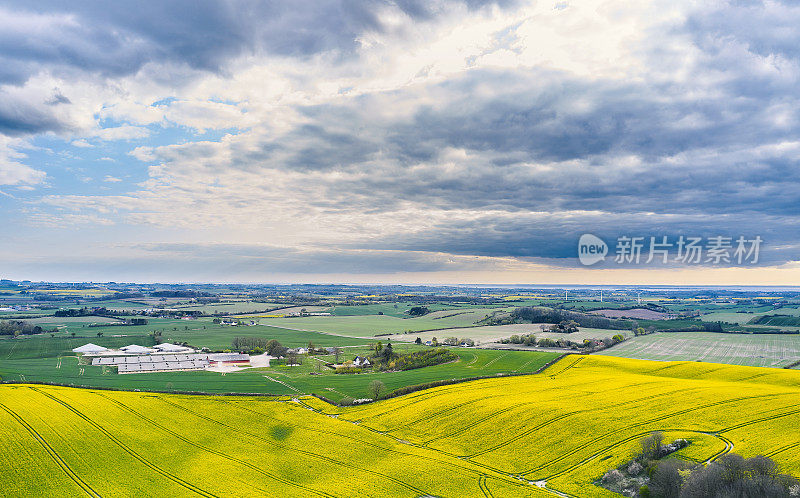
column 541, row 314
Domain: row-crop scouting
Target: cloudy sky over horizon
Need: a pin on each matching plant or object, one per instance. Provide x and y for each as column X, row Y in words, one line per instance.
column 395, row 141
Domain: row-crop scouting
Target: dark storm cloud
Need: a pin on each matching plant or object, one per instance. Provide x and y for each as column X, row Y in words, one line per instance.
column 554, row 237
column 118, row 38
column 18, row 118
column 747, row 22
column 692, row 155
column 272, row 259
column 57, row 99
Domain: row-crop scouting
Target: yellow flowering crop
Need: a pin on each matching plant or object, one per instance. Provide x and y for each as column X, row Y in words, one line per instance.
column 514, row 436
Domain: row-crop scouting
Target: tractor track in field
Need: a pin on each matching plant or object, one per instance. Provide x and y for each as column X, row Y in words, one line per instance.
column 748, row 379
column 475, row 422
column 638, row 424
column 388, row 436
column 563, row 494
column 85, row 486
column 782, row 449
column 427, row 395
column 493, row 360
column 472, row 424
column 127, row 449
column 484, row 487
column 297, row 450
column 568, row 367
column 411, row 397
column 728, row 447
column 522, row 367
column 563, row 416
column 11, row 351
column 211, row 450
column 522, row 434
column 499, row 474
column 762, row 419
column 497, row 414
column 433, row 415
column 524, row 403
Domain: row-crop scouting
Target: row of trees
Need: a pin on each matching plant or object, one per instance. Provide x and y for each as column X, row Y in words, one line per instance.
column 546, row 342
column 18, row 327
column 259, row 345
column 530, row 340
column 539, row 314
column 564, row 327
column 81, row 312
column 448, row 341
column 730, row 475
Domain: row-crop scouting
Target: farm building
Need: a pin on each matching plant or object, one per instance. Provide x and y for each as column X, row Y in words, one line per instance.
column 135, row 349
column 89, row 349
column 161, row 366
column 154, row 363
column 170, row 348
column 229, row 359
column 361, row 361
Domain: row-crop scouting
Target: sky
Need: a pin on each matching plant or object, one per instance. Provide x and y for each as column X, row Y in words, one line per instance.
column 402, row 141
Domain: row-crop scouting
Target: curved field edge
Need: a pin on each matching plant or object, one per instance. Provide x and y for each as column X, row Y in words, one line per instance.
column 552, row 433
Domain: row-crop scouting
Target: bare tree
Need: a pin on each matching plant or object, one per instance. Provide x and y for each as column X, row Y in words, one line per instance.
column 651, row 445
column 376, row 388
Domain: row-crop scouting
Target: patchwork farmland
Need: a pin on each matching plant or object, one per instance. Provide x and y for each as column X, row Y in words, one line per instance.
column 760, row 350
column 491, row 334
column 494, row 437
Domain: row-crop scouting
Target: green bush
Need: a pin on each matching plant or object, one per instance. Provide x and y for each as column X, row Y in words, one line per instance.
column 347, row 370
column 425, row 358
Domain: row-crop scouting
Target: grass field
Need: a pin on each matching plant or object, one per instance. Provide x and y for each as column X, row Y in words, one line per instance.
column 220, row 337
column 400, row 309
column 229, row 307
column 371, row 325
column 201, row 333
column 778, row 320
column 64, row 321
column 729, row 317
column 112, row 304
column 761, row 350
column 45, row 359
column 44, row 346
column 496, row 437
column 493, row 333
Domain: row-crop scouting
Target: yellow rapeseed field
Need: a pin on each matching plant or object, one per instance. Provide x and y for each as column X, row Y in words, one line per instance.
column 556, row 432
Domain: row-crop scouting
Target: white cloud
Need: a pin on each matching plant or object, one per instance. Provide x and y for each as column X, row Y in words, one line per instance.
column 549, row 109
column 126, row 132
column 12, row 169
